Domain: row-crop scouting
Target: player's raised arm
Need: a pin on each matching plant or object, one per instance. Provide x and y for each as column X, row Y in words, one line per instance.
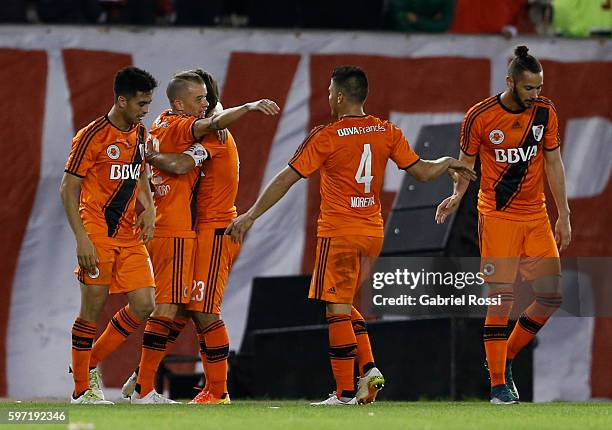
column 460, row 185
column 271, row 195
column 228, row 116
column 555, row 174
column 70, row 191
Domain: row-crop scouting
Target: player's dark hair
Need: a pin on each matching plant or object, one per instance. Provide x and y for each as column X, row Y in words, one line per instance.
column 523, row 62
column 130, row 80
column 212, row 89
column 179, row 83
column 352, row 83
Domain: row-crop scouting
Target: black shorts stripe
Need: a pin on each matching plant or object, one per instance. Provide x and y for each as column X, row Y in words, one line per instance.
column 87, row 137
column 213, row 274
column 321, row 264
column 471, row 117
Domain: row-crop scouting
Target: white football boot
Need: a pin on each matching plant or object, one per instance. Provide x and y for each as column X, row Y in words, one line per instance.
column 89, row 397
column 152, row 398
column 369, row 385
column 333, row 400
column 129, row 386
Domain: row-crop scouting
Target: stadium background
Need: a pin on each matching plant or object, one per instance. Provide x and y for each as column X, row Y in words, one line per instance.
column 54, row 80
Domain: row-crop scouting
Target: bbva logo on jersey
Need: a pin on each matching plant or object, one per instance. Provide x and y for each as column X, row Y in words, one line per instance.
column 125, row 171
column 515, row 155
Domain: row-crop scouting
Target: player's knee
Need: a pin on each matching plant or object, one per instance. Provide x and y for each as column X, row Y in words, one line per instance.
column 143, row 310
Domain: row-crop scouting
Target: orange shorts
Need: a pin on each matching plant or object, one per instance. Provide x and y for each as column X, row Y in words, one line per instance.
column 508, row 247
column 172, row 259
column 214, row 256
column 122, row 268
column 341, row 264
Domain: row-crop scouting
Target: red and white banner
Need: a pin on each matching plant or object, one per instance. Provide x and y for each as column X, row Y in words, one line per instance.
column 55, row 80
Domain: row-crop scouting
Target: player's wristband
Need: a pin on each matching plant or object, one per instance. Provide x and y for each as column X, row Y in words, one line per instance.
column 198, row 153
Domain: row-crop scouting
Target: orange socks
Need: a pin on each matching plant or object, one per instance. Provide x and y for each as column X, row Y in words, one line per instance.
column 531, row 321
column 83, row 333
column 495, row 335
column 177, row 327
column 153, row 350
column 365, row 359
column 123, row 324
column 216, row 351
column 342, row 352
column 202, row 340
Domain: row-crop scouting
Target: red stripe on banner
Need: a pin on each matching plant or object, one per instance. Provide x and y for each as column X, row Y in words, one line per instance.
column 252, row 76
column 396, row 84
column 24, row 97
column 583, row 101
column 90, row 78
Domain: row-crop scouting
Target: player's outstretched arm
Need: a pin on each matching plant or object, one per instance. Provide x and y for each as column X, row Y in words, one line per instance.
column 70, row 192
column 228, row 116
column 555, row 173
column 177, row 163
column 428, row 170
column 145, row 222
column 272, row 194
column 460, row 185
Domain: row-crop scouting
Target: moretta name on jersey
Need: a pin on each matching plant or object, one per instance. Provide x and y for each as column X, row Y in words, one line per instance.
column 349, row 131
column 124, row 171
column 515, row 155
column 362, row 202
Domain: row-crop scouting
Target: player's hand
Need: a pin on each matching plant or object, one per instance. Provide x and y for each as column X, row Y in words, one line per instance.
column 265, row 106
column 86, row 254
column 222, row 135
column 239, row 226
column 447, row 207
column 461, row 169
column 563, row 232
column 145, row 223
column 149, row 150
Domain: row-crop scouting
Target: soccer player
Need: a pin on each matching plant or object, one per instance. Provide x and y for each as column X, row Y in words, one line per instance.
column 181, row 139
column 351, row 154
column 102, row 180
column 516, row 135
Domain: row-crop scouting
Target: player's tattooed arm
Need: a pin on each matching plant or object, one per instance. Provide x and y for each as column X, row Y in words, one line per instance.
column 70, row 192
column 145, row 223
column 228, row 116
column 555, row 174
column 460, row 185
column 270, row 196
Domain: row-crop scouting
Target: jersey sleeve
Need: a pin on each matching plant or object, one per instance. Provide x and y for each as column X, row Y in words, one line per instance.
column 214, row 146
column 402, row 154
column 83, row 153
column 179, row 136
column 312, row 153
column 552, row 139
column 470, row 133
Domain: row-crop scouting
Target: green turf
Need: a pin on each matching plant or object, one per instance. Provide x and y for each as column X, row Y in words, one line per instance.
column 270, row 415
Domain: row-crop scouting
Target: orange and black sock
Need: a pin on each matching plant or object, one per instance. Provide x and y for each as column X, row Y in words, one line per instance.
column 153, row 350
column 202, row 341
column 365, row 359
column 495, row 336
column 531, row 321
column 177, row 327
column 217, row 352
column 123, row 324
column 342, row 353
column 83, row 333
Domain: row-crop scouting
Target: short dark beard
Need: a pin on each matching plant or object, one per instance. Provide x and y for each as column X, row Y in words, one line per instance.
column 516, row 98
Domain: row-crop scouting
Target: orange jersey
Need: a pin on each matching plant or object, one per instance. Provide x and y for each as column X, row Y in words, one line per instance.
column 218, row 183
column 173, row 193
column 110, row 162
column 510, row 146
column 352, row 154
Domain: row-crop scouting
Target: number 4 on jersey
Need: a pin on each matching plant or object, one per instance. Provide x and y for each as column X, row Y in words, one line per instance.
column 364, row 172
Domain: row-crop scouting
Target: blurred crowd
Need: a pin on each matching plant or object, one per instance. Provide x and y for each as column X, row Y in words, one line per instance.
column 572, row 18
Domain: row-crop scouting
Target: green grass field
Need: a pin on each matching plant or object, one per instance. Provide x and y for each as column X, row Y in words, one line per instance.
column 270, row 415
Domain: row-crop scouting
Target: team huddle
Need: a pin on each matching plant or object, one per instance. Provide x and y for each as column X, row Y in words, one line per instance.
column 154, row 218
